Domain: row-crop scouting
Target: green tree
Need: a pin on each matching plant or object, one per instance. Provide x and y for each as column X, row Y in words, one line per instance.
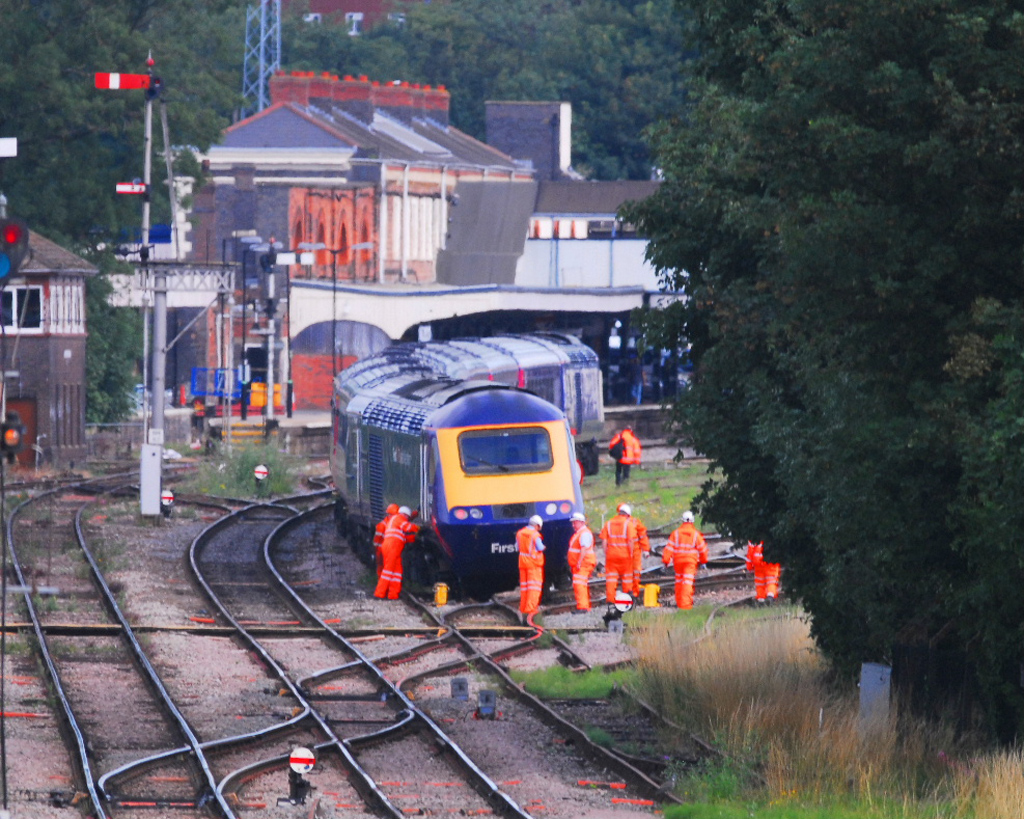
column 843, row 206
column 616, row 61
column 111, row 354
column 76, row 142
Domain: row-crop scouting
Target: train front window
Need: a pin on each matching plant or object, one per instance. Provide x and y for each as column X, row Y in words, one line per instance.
column 505, row 451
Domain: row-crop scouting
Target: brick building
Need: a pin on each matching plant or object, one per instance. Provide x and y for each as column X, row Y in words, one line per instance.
column 43, row 352
column 368, row 174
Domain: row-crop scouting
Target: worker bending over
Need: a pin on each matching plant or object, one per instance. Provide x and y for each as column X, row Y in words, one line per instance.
column 399, row 531
column 378, row 537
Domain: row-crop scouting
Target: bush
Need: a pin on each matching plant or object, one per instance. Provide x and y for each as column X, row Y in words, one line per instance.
column 234, row 477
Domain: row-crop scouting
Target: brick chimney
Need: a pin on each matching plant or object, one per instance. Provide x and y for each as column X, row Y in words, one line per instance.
column 360, row 97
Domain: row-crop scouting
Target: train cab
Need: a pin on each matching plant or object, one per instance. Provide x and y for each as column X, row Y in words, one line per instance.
column 494, row 459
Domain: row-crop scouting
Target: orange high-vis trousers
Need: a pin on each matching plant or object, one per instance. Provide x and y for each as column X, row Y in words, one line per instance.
column 618, row 567
column 531, row 584
column 390, row 583
column 580, row 581
column 686, row 571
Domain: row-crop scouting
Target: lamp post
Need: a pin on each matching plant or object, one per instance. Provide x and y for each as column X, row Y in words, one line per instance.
column 250, row 243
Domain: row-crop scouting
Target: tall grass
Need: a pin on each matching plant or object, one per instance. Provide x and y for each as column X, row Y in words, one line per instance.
column 758, row 690
column 992, row 787
column 234, row 476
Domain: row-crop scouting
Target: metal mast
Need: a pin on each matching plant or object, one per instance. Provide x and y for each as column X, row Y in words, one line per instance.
column 262, row 53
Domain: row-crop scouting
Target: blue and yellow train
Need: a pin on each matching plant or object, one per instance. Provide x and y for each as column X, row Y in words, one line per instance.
column 453, row 429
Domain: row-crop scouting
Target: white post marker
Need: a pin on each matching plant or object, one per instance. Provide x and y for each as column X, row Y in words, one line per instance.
column 8, row 146
column 301, row 760
column 261, row 472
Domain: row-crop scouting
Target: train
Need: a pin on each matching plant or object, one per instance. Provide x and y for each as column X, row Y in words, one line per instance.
column 478, row 435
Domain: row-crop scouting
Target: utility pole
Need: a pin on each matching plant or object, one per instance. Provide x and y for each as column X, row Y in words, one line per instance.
column 152, row 449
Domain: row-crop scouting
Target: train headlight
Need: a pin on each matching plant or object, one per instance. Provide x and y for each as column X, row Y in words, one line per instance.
column 460, row 514
column 565, row 508
column 476, row 514
column 551, row 508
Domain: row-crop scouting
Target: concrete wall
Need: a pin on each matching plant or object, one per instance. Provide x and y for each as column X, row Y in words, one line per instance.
column 585, row 263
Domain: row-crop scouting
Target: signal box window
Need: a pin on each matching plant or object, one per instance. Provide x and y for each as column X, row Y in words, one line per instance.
column 22, row 308
column 354, row 23
column 505, row 451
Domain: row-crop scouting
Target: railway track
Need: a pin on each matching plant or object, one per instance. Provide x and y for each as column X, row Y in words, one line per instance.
column 133, row 715
column 377, row 705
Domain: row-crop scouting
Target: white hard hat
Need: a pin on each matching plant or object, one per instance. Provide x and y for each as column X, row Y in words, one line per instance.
column 579, row 516
column 404, row 510
column 625, row 509
column 687, row 516
column 537, row 520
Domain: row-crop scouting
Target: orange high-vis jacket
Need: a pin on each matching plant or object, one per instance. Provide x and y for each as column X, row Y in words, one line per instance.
column 531, row 547
column 620, row 536
column 685, row 544
column 631, row 444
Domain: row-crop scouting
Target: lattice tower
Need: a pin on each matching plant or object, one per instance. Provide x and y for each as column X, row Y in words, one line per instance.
column 262, row 53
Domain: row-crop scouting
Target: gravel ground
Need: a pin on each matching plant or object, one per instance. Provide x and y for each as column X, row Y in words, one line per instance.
column 224, row 692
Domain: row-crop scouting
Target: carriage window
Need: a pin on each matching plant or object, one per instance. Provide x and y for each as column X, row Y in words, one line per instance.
column 504, row 451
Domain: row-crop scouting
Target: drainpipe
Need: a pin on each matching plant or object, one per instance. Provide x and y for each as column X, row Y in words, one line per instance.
column 405, row 222
column 384, row 243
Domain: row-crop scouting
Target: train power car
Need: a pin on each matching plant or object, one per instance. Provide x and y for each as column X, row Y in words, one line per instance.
column 475, row 454
column 558, row 367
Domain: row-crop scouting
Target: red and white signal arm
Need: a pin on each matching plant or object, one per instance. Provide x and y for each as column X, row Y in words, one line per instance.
column 166, row 497
column 301, row 760
column 261, row 472
column 623, row 601
column 115, row 82
column 131, row 187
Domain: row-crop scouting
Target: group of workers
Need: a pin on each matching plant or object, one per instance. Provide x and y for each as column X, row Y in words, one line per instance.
column 623, row 537
column 625, row 542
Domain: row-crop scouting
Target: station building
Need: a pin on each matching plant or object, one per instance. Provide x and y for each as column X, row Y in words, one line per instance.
column 413, row 230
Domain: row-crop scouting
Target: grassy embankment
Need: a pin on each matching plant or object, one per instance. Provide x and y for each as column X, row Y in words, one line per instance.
column 790, row 740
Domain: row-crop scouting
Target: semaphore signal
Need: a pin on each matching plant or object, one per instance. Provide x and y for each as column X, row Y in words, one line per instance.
column 114, row 82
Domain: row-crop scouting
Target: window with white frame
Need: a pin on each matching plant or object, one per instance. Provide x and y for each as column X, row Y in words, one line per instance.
column 22, row 308
column 354, row 22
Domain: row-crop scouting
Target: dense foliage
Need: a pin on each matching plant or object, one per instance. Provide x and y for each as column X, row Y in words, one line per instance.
column 617, row 61
column 844, row 202
column 112, row 355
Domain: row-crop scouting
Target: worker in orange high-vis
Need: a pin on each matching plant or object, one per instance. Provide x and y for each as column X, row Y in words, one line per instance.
column 686, row 550
column 531, row 565
column 766, row 575
column 643, row 550
column 620, row 540
column 626, row 451
column 378, row 537
column 582, row 558
column 399, row 531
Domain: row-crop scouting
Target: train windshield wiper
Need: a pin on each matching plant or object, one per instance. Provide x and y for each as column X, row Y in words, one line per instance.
column 502, row 467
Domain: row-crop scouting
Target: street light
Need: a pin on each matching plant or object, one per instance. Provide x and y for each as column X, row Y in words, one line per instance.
column 249, row 245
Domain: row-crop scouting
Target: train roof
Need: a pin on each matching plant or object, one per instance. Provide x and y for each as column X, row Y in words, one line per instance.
column 468, row 358
column 409, row 404
column 494, row 406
